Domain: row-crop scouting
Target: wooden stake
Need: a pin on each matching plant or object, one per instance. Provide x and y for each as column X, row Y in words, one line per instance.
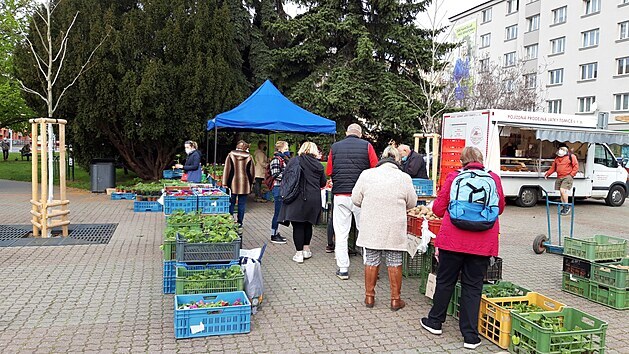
column 62, row 178
column 34, row 182
column 44, row 179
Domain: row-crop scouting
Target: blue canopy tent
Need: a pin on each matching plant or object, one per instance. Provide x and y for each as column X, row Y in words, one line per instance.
column 267, row 110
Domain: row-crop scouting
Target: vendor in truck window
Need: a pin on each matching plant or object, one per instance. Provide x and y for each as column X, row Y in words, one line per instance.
column 566, row 165
column 509, row 149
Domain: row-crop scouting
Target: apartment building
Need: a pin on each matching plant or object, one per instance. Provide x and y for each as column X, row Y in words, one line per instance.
column 574, row 53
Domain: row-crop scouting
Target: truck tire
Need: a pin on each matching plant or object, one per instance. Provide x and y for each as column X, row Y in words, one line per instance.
column 616, row 196
column 528, row 197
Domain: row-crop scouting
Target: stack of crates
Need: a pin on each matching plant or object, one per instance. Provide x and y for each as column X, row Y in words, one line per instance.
column 169, row 248
column 597, row 269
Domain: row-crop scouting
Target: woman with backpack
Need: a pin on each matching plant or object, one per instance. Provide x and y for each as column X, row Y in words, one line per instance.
column 469, row 201
column 277, row 165
column 303, row 178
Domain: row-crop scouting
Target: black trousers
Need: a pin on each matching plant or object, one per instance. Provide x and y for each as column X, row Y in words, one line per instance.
column 5, row 154
column 302, row 234
column 472, row 269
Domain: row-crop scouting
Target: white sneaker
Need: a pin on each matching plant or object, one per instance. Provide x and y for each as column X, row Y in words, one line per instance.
column 471, row 345
column 307, row 254
column 299, row 257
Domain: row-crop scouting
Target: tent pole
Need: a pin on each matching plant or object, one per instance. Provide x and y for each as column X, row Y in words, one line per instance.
column 207, row 145
column 215, row 142
column 268, row 144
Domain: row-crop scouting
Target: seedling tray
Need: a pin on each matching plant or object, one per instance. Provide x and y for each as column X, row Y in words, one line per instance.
column 143, row 206
column 122, row 196
column 454, row 307
column 185, row 285
column 207, row 252
column 169, row 277
column 575, row 285
column 611, row 276
column 213, row 204
column 597, row 248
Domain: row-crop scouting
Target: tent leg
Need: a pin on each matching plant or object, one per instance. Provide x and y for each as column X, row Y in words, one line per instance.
column 207, row 146
column 215, row 143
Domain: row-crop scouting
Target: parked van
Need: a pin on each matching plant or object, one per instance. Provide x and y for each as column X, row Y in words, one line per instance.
column 521, row 146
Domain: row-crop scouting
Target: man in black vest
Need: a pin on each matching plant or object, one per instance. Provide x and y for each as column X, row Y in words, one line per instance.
column 413, row 163
column 348, row 158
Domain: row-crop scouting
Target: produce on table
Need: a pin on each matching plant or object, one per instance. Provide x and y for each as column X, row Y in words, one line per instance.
column 525, row 308
column 423, row 211
column 216, row 229
column 180, row 192
column 147, row 189
column 197, row 280
column 181, row 217
column 202, row 304
column 570, row 344
column 210, row 192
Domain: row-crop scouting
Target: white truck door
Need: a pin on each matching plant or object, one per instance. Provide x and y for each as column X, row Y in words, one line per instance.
column 604, row 171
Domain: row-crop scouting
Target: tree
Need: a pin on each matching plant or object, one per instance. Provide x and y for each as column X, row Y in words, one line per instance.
column 349, row 61
column 14, row 112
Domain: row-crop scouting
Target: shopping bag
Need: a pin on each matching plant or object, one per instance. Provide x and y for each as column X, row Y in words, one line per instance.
column 427, row 235
column 184, row 177
column 254, row 283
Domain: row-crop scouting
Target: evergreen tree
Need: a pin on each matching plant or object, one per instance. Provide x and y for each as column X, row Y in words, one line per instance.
column 354, row 60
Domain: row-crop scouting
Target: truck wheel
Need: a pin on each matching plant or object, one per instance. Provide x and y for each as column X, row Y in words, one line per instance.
column 528, row 197
column 538, row 244
column 616, row 196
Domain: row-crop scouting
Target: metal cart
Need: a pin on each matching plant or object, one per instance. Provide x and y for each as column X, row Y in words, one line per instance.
column 544, row 243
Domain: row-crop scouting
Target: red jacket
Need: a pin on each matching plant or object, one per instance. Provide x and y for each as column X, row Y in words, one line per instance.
column 565, row 166
column 451, row 238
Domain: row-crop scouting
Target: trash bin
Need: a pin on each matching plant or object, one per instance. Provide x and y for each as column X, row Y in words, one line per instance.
column 103, row 175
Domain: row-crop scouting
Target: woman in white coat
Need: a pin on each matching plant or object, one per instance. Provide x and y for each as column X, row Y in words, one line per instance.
column 384, row 194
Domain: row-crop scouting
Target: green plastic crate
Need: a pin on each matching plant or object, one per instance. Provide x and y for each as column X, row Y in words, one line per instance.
column 597, row 248
column 185, row 286
column 454, row 306
column 584, row 333
column 609, row 275
column 575, row 285
column 609, row 296
column 169, row 249
column 418, row 266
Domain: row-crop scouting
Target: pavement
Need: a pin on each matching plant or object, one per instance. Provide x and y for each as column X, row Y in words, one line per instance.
column 108, row 298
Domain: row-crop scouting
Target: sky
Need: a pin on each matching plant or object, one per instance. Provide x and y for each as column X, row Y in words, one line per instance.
column 448, row 8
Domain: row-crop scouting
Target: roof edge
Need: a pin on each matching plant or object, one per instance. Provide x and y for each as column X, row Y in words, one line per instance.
column 473, row 10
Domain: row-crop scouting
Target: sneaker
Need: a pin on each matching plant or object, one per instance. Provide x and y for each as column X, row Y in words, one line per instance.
column 472, row 345
column 329, row 249
column 277, row 238
column 342, row 275
column 566, row 210
column 298, row 257
column 307, row 254
column 424, row 323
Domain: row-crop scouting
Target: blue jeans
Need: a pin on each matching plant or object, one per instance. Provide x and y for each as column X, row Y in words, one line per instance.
column 242, row 203
column 278, row 205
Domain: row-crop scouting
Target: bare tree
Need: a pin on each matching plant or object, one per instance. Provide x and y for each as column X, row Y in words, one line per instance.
column 494, row 85
column 49, row 62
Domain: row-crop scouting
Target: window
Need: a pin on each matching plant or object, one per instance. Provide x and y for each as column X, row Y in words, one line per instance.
column 592, row 6
column 555, row 77
column 559, row 15
column 590, row 38
column 623, row 65
column 622, row 101
column 530, row 81
column 509, row 59
column 557, row 45
column 486, row 15
column 485, row 40
column 624, row 30
column 554, row 106
column 531, row 51
column 511, row 32
column 585, row 104
column 484, row 65
column 512, row 6
column 589, row 71
column 532, row 23
column 604, row 157
column 509, row 85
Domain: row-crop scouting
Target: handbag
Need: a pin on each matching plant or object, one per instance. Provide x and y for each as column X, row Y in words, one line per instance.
column 184, row 177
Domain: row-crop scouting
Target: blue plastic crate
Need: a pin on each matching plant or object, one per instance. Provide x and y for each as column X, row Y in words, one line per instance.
column 214, row 204
column 172, row 174
column 186, row 204
column 169, row 277
column 213, row 321
column 423, row 187
column 122, row 196
column 144, row 206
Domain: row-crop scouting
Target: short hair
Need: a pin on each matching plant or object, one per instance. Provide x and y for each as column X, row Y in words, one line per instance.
column 308, row 148
column 471, row 154
column 193, row 144
column 391, row 152
column 280, row 144
column 261, row 143
column 354, row 129
column 404, row 147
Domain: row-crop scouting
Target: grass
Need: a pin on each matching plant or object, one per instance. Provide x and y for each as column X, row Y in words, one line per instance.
column 15, row 169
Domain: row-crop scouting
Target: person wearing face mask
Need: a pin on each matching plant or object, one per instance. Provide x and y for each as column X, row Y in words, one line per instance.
column 193, row 162
column 566, row 165
column 262, row 163
column 413, row 163
column 276, row 169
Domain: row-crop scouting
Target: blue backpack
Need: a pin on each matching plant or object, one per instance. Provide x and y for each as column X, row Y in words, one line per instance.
column 473, row 201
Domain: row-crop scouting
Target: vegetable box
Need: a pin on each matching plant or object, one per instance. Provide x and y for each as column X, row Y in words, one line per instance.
column 144, row 206
column 612, row 274
column 597, row 248
column 575, row 285
column 565, row 331
column 423, row 187
column 169, row 277
column 500, row 289
column 494, row 320
column 122, row 196
column 188, row 251
column 209, row 279
column 205, row 315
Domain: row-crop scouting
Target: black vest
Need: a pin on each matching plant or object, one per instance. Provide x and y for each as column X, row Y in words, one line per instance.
column 350, row 157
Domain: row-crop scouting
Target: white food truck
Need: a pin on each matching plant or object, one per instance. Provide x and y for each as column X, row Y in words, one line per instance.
column 521, row 146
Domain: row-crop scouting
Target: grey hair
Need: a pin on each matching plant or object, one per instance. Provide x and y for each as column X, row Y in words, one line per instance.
column 471, row 154
column 354, row 129
column 391, row 152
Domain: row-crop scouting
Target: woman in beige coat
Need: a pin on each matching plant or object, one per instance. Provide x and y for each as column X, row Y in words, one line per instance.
column 384, row 193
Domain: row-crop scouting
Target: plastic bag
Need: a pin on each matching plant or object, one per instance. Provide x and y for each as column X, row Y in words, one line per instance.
column 427, row 235
column 254, row 283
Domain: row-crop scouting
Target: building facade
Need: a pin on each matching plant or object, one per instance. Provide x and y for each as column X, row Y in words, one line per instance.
column 574, row 53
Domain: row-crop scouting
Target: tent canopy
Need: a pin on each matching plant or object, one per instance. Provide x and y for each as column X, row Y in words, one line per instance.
column 268, row 110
